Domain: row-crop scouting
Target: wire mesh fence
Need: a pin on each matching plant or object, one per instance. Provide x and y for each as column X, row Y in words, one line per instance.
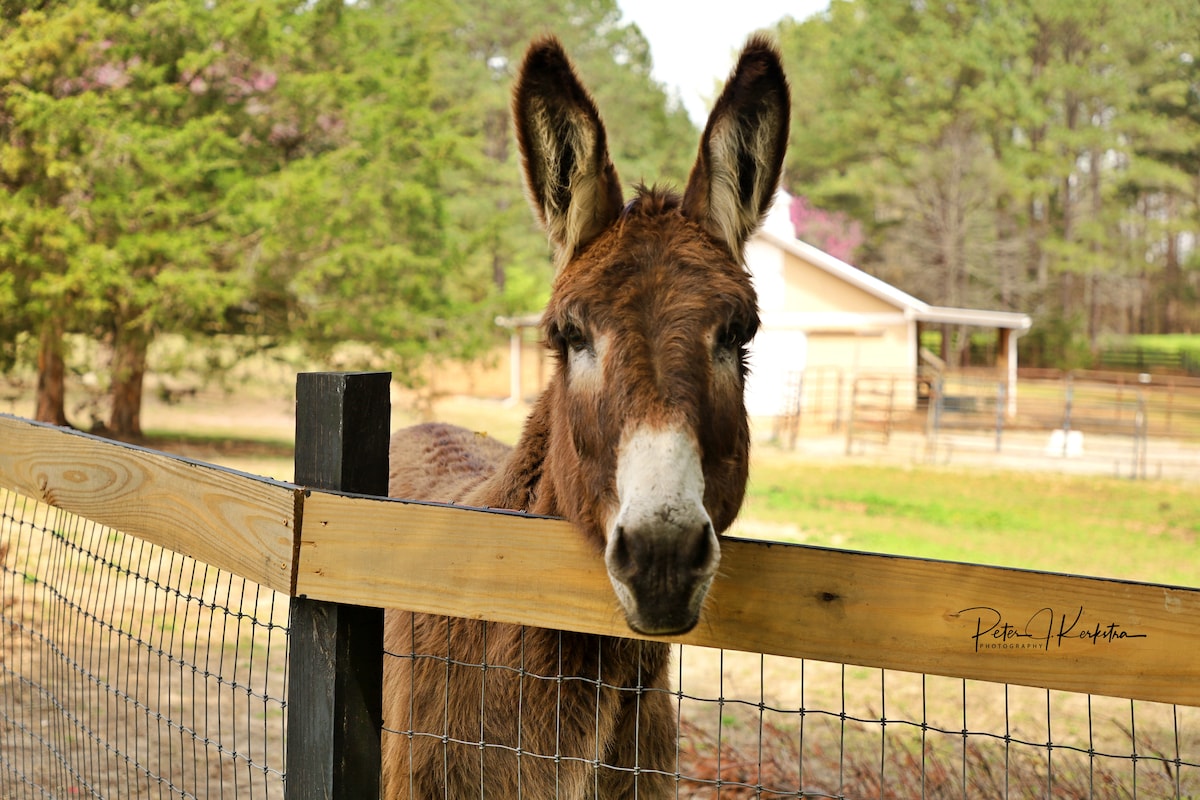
column 758, row 726
column 789, row 728
column 130, row 671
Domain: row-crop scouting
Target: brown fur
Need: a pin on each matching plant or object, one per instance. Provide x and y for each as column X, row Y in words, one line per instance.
column 653, row 300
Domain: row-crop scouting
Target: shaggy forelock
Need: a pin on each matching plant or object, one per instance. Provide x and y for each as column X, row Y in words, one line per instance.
column 649, row 201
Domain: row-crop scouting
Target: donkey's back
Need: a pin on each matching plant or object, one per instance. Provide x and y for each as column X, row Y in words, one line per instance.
column 441, row 463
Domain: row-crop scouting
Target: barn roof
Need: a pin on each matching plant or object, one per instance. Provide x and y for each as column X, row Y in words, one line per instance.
column 775, row 232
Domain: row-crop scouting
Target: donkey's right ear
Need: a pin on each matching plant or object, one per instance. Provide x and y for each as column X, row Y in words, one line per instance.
column 741, row 154
column 572, row 183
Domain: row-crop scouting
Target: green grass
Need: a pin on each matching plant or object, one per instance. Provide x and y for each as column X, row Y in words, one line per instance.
column 1165, row 342
column 1084, row 525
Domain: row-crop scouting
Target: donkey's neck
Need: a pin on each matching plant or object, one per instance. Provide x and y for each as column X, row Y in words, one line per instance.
column 517, row 484
column 543, row 474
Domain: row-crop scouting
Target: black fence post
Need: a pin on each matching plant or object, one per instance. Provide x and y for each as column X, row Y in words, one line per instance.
column 335, row 665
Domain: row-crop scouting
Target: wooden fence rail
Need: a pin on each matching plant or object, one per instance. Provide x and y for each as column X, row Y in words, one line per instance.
column 1081, row 634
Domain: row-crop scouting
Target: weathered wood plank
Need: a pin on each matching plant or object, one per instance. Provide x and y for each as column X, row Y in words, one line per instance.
column 1061, row 632
column 236, row 522
column 430, row 558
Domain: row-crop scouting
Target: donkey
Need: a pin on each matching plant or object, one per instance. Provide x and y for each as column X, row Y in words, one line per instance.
column 640, row 440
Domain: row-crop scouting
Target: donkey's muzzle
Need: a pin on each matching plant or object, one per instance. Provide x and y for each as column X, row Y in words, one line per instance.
column 661, row 576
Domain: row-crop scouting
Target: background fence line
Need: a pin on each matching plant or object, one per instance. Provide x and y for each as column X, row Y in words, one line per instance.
column 1125, row 424
column 1114, row 638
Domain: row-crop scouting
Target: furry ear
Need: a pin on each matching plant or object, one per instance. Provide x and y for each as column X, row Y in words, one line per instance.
column 741, row 153
column 572, row 183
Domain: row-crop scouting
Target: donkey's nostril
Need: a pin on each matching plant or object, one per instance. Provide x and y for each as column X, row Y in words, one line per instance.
column 704, row 550
column 621, row 560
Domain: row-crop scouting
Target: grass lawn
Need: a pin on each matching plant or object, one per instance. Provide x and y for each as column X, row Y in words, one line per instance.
column 1167, row 342
column 1087, row 525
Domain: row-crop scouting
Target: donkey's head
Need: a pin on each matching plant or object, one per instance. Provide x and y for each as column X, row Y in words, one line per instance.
column 649, row 316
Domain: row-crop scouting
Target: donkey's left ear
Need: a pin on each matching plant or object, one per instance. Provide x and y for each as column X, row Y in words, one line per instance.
column 572, row 183
column 737, row 170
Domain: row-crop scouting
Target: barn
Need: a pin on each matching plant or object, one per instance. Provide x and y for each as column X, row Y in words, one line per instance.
column 823, row 319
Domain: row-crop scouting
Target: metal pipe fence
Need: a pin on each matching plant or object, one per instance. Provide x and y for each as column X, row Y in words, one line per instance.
column 1129, row 425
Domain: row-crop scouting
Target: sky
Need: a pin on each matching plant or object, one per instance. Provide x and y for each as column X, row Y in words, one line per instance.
column 693, row 42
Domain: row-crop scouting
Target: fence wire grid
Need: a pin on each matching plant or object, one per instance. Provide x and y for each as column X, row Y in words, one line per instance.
column 758, row 726
column 130, row 671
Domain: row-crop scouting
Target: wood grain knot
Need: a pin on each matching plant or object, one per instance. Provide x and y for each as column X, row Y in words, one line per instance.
column 43, row 487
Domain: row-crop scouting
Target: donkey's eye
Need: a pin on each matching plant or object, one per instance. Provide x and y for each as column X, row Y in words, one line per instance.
column 571, row 337
column 732, row 337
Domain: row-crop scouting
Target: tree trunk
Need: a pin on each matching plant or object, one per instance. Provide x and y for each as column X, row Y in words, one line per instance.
column 498, row 272
column 1093, row 275
column 129, row 370
column 1173, row 282
column 51, row 390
